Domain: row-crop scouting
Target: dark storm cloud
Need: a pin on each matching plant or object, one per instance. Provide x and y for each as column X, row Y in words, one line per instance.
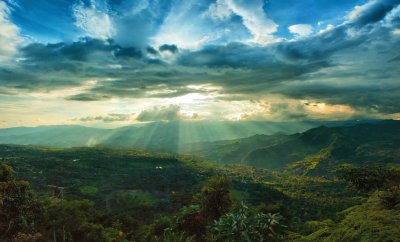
column 234, row 55
column 373, row 12
column 54, row 66
column 82, row 50
column 24, row 78
column 87, row 97
column 171, row 48
column 151, row 50
column 319, row 47
column 374, row 98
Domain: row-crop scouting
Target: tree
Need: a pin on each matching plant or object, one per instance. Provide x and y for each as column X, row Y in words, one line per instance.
column 6, row 173
column 391, row 197
column 244, row 225
column 19, row 211
column 71, row 221
column 190, row 220
column 370, row 177
column 215, row 198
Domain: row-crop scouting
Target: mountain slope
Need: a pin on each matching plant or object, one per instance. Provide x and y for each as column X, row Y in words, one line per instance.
column 232, row 151
column 157, row 136
column 323, row 148
column 315, row 151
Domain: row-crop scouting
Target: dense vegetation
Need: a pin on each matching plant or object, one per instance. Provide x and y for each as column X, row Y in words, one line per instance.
column 316, row 152
column 105, row 194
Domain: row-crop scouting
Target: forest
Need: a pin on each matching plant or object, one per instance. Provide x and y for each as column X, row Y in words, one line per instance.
column 121, row 194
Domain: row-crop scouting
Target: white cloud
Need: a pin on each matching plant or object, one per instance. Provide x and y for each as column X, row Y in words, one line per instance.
column 188, row 29
column 9, row 34
column 165, row 113
column 219, row 10
column 184, row 28
column 139, row 6
column 396, row 32
column 392, row 17
column 301, row 30
column 255, row 20
column 95, row 23
column 328, row 27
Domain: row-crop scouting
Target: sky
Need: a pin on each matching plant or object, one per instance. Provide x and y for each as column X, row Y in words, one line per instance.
column 119, row 62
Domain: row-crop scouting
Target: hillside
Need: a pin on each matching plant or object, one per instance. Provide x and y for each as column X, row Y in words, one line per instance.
column 315, row 151
column 360, row 223
column 172, row 136
column 232, row 151
column 135, row 195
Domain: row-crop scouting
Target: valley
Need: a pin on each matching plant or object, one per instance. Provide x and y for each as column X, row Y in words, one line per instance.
column 138, row 195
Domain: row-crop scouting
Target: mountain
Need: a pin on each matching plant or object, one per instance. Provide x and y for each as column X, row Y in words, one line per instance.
column 135, row 190
column 315, row 151
column 233, row 151
column 172, row 136
column 135, row 194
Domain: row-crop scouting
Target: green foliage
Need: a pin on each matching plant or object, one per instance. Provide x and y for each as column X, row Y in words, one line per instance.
column 370, row 177
column 215, row 198
column 245, row 226
column 173, row 237
column 312, row 226
column 19, row 210
column 88, row 190
column 320, row 150
column 69, row 219
column 6, row 173
column 74, row 221
column 366, row 222
column 191, row 221
column 133, row 200
column 130, row 199
column 159, row 227
column 391, row 197
column 311, row 162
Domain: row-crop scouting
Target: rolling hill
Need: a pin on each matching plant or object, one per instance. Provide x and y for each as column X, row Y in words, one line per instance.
column 315, row 151
column 157, row 136
column 172, row 136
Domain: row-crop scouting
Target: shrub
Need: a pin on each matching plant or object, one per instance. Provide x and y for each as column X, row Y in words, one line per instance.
column 245, row 226
column 391, row 198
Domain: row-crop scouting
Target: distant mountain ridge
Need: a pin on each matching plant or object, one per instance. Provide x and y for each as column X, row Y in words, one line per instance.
column 269, row 145
column 157, row 136
column 312, row 152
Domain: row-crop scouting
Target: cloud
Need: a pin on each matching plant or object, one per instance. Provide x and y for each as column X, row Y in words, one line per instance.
column 88, row 97
column 9, row 34
column 137, row 22
column 95, row 23
column 352, row 64
column 220, row 10
column 110, row 118
column 255, row 19
column 301, row 30
column 185, row 26
column 167, row 113
column 298, row 110
column 371, row 12
column 284, row 111
column 171, row 48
